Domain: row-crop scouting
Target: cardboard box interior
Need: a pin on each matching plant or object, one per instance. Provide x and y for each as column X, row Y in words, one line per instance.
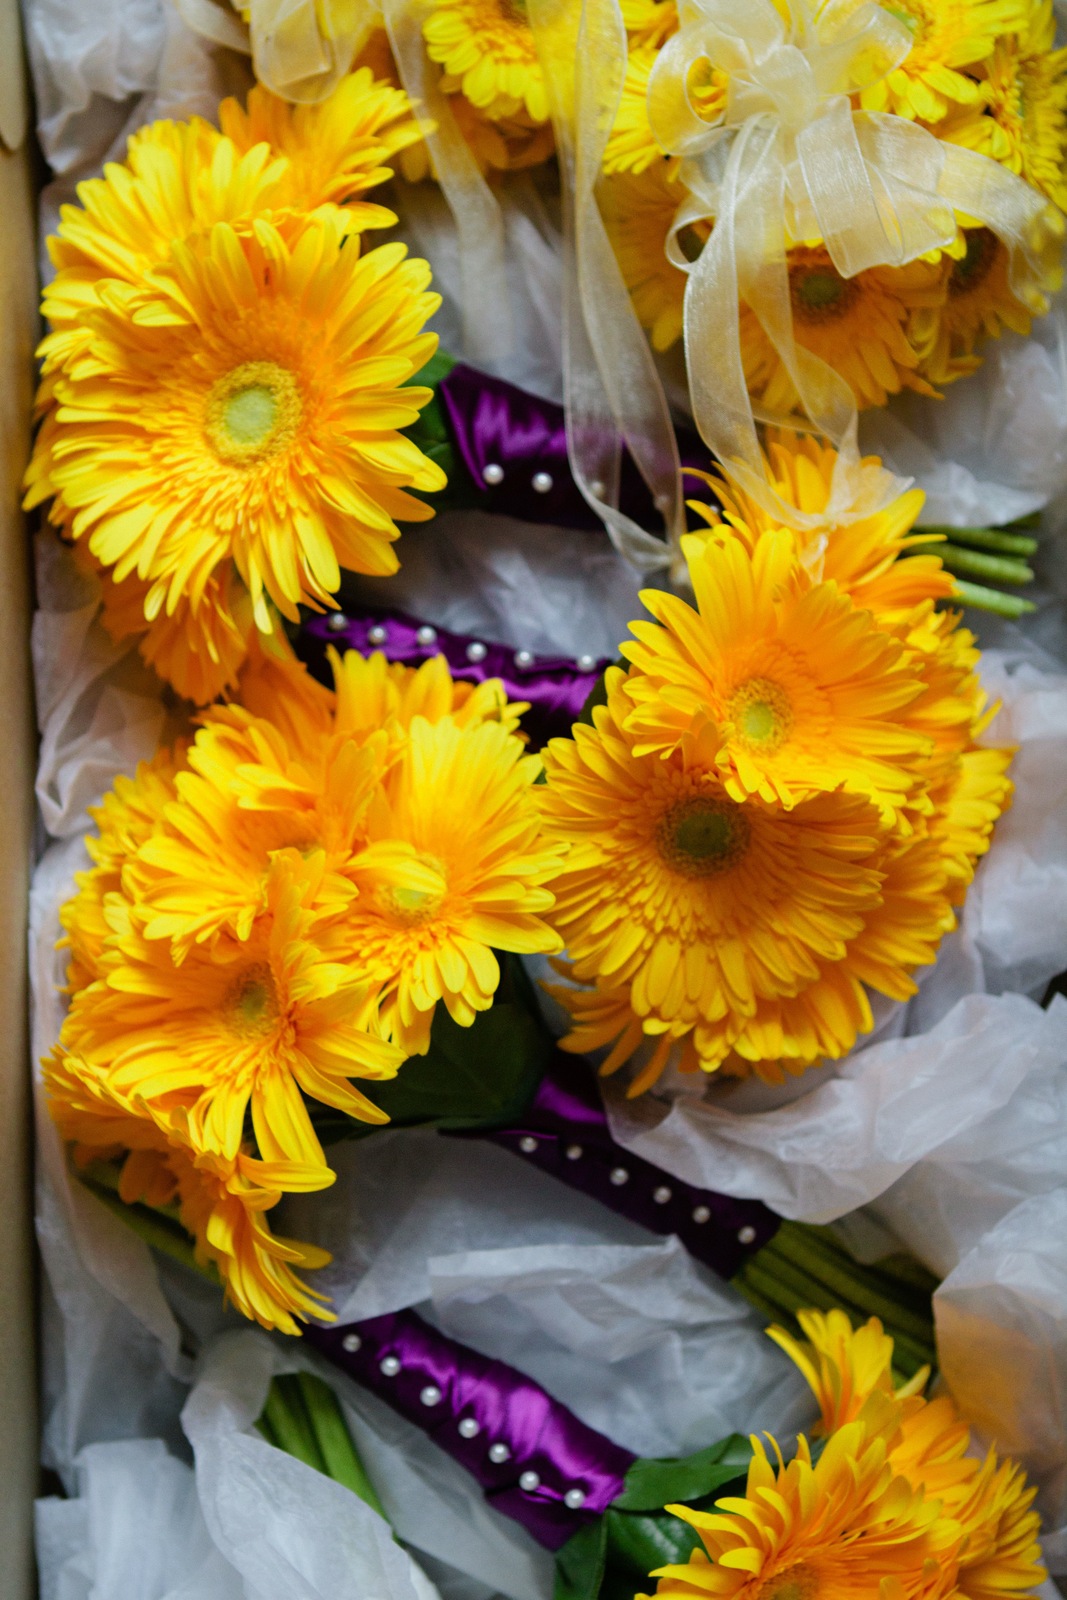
column 18, row 334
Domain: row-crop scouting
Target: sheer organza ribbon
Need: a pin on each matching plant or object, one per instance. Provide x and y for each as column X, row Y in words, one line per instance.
column 791, row 159
column 612, row 389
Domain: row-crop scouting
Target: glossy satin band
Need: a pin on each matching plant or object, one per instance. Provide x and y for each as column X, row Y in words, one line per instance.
column 555, row 687
column 496, row 424
column 565, row 1132
column 439, row 1384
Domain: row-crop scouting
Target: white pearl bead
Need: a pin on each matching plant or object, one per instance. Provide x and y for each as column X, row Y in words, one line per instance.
column 351, row 1342
column 524, row 658
column 493, row 473
column 541, row 482
column 499, row 1453
column 574, row 1152
column 747, row 1234
column 585, row 663
column 598, row 488
column 469, row 1428
column 337, row 622
column 377, row 634
column 574, row 1499
column 426, row 635
column 529, row 1481
column 619, row 1176
column 476, row 651
column 527, row 1144
column 389, row 1366
column 661, row 1195
column 431, row 1395
column 701, row 1214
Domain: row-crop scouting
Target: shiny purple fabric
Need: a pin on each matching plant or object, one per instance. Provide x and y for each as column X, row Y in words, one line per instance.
column 493, row 423
column 555, row 686
column 441, row 1383
column 565, row 1132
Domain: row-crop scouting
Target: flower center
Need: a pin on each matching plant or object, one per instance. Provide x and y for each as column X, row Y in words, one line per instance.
column 971, row 271
column 252, row 412
column 799, row 1582
column 251, row 1005
column 820, row 294
column 700, row 837
column 908, row 18
column 761, row 714
column 411, row 907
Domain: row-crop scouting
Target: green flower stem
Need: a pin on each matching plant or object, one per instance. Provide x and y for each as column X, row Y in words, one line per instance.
column 287, row 1420
column 979, row 564
column 154, row 1228
column 832, row 1267
column 979, row 598
column 999, row 540
column 342, row 1462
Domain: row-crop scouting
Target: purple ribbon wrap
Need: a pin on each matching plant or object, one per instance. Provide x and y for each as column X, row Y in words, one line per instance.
column 523, row 438
column 556, row 1474
column 556, row 687
column 565, row 1131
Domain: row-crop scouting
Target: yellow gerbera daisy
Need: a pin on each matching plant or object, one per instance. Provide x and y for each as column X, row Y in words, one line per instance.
column 801, row 691
column 259, row 380
column 979, row 303
column 861, row 327
column 867, row 553
column 462, row 800
column 949, row 36
column 487, row 50
column 843, row 1365
column 836, row 1529
column 1023, row 123
column 242, row 1028
column 336, row 149
column 1001, row 1556
column 701, row 905
column 632, row 145
column 222, row 1202
column 638, row 209
column 649, row 21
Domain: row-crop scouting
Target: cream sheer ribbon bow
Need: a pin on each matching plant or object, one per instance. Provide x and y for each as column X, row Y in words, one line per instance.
column 301, row 49
column 612, row 389
column 789, row 161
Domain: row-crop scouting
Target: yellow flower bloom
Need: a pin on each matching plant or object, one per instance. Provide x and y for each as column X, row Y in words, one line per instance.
column 801, row 691
column 850, row 1372
column 632, row 145
column 638, row 209
column 866, row 553
column 979, row 303
column 949, row 37
column 861, row 327
column 487, row 50
column 243, row 405
column 334, row 150
column 649, row 21
column 841, row 1528
column 462, row 800
column 1023, row 123
column 241, row 1028
column 221, row 1201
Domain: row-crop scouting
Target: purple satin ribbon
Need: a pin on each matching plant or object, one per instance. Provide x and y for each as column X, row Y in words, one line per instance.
column 556, row 687
column 556, row 1474
column 565, row 1132
column 506, row 430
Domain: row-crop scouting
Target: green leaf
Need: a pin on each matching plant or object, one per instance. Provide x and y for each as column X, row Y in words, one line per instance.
column 651, row 1485
column 580, row 1564
column 473, row 1078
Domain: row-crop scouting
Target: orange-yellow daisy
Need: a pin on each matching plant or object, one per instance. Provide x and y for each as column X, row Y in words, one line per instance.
column 638, row 209
column 979, row 303
column 800, row 690
column 223, row 1202
column 949, row 39
column 861, row 327
column 243, row 405
column 487, row 50
column 239, row 1029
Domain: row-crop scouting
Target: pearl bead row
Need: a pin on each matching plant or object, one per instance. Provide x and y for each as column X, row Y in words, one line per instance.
column 426, row 636
column 467, row 1427
column 540, row 483
column 621, row 1175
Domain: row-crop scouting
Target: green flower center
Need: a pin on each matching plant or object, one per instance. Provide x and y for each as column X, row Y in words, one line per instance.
column 252, row 1002
column 820, row 294
column 761, row 714
column 252, row 412
column 799, row 1582
column 700, row 837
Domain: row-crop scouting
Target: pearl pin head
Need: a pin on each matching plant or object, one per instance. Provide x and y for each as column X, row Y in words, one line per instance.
column 493, row 473
column 351, row 1343
column 337, row 622
column 389, row 1366
column 377, row 634
column 529, row 1481
column 426, row 635
column 469, row 1428
column 574, row 1499
column 498, row 1454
